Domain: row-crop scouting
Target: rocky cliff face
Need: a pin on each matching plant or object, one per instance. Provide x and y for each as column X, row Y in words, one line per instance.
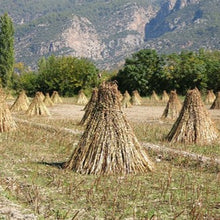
column 106, row 44
column 158, row 25
column 114, row 34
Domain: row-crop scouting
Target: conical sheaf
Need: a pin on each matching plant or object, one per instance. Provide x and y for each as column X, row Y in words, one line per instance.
column 108, row 145
column 136, row 98
column 42, row 96
column 216, row 103
column 47, row 100
column 89, row 107
column 37, row 107
column 7, row 123
column 56, row 98
column 120, row 96
column 210, row 98
column 193, row 126
column 154, row 97
column 173, row 107
column 21, row 103
column 82, row 99
column 165, row 97
column 126, row 103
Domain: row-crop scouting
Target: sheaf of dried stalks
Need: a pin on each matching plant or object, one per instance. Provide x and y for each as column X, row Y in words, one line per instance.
column 216, row 103
column 37, row 107
column 21, row 103
column 173, row 107
column 108, row 144
column 47, row 100
column 194, row 125
column 126, row 101
column 7, row 123
column 56, row 98
column 89, row 107
column 81, row 99
column 136, row 98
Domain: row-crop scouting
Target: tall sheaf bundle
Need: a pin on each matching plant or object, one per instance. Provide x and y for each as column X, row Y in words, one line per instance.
column 89, row 107
column 193, row 126
column 108, row 144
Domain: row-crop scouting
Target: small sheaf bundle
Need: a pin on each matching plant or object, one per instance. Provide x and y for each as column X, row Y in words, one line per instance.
column 165, row 96
column 210, row 98
column 47, row 100
column 81, row 99
column 126, row 100
column 173, row 107
column 56, row 98
column 154, row 96
column 37, row 107
column 21, row 103
column 136, row 98
column 216, row 103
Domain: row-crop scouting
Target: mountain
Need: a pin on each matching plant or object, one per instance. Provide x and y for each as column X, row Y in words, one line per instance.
column 107, row 31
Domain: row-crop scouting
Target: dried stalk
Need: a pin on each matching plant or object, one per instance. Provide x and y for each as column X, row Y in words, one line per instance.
column 136, row 98
column 173, row 107
column 37, row 107
column 6, row 121
column 193, row 124
column 216, row 103
column 56, row 98
column 126, row 100
column 154, row 96
column 82, row 99
column 108, row 144
column 165, row 96
column 47, row 100
column 89, row 107
column 21, row 103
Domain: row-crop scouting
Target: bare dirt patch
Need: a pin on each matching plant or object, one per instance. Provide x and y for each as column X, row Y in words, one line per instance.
column 134, row 114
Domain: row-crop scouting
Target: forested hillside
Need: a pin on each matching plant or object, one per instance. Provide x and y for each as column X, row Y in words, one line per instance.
column 108, row 31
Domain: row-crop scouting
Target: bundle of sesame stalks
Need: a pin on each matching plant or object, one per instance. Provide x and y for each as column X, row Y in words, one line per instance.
column 89, row 107
column 136, row 98
column 56, row 98
column 37, row 107
column 193, row 126
column 108, row 144
column 173, row 107
column 6, row 121
column 21, row 103
column 82, row 99
column 216, row 103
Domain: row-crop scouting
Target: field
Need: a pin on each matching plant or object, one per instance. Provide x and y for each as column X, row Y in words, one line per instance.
column 33, row 185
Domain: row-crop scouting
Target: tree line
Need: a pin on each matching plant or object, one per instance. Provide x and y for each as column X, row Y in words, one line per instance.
column 145, row 70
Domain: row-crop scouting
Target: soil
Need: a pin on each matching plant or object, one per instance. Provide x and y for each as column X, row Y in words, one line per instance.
column 134, row 114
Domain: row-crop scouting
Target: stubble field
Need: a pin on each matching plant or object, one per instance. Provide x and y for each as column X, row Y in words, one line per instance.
column 33, row 185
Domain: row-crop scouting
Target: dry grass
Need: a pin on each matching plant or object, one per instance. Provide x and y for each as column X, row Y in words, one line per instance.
column 31, row 176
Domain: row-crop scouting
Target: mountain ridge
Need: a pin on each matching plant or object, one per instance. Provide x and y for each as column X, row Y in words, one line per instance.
column 109, row 31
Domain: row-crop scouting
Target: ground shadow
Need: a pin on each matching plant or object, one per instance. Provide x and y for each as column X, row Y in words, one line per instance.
column 58, row 165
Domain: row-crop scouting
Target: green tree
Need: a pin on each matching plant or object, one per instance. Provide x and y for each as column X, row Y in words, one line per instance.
column 142, row 72
column 6, row 49
column 66, row 74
